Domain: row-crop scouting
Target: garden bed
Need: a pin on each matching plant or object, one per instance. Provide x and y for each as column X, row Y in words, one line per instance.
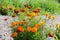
column 6, row 31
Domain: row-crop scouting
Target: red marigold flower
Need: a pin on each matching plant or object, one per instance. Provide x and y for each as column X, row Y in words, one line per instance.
column 50, row 34
column 25, row 5
column 29, row 7
column 36, row 10
column 16, row 11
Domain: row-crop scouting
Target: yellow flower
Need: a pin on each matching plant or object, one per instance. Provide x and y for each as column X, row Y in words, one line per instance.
column 53, row 17
column 28, row 17
column 57, row 25
column 14, row 34
column 42, row 23
column 33, row 14
column 47, row 14
column 3, row 7
column 14, row 15
column 10, row 6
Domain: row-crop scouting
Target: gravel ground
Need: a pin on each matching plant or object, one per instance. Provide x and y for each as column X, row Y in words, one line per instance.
column 5, row 31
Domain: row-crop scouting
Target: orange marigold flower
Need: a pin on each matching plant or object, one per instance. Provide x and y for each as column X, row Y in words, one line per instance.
column 11, row 26
column 28, row 29
column 14, row 23
column 23, row 22
column 20, row 29
column 14, row 34
column 37, row 25
column 34, row 29
column 20, row 23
